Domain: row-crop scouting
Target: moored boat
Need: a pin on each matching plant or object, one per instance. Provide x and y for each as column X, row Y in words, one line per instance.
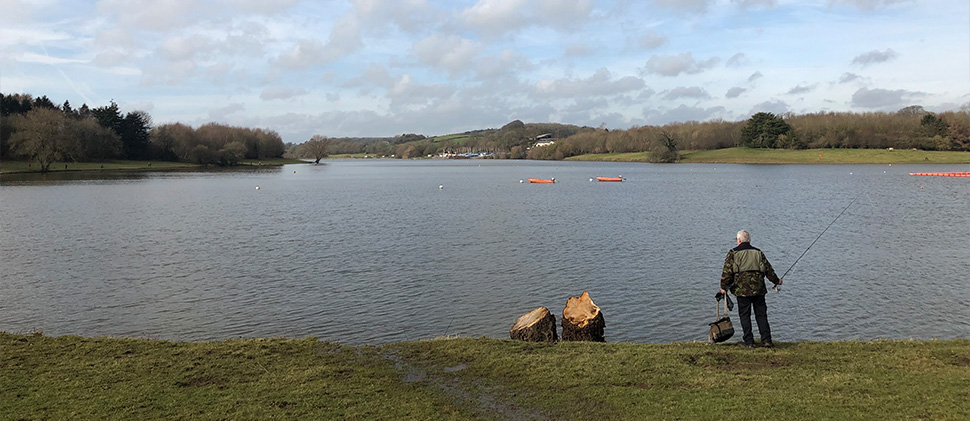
column 609, row 178
column 542, row 180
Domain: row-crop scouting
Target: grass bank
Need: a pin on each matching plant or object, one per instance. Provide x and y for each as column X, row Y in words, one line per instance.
column 805, row 156
column 45, row 377
column 11, row 167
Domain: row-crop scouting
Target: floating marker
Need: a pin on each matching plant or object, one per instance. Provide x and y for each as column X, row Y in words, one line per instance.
column 257, row 187
column 942, row 174
column 441, row 186
column 521, row 181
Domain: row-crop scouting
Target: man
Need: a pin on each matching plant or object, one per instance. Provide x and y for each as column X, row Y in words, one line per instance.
column 745, row 269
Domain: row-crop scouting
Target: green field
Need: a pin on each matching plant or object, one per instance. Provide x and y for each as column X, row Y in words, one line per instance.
column 45, row 377
column 804, row 156
column 9, row 167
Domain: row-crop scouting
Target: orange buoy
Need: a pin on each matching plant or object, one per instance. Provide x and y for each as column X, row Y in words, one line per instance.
column 942, row 174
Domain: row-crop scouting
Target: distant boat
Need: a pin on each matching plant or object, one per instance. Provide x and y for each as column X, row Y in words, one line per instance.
column 542, row 180
column 609, row 178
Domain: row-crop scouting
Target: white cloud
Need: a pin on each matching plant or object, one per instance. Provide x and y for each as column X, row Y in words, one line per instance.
column 867, row 5
column 849, row 77
column 675, row 65
column 563, row 13
column 261, row 7
column 682, row 113
column 694, row 92
column 755, row 4
column 685, row 6
column 154, row 15
column 599, row 84
column 496, row 17
column 774, row 107
column 375, row 67
column 799, row 89
column 451, row 53
column 884, row 99
column 280, row 92
column 502, row 18
column 411, row 16
column 578, row 50
column 651, row 40
column 46, row 59
column 734, row 92
column 221, row 113
column 874, row 57
column 737, row 60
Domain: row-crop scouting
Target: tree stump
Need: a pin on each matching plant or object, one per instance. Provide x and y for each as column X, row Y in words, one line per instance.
column 582, row 320
column 538, row 325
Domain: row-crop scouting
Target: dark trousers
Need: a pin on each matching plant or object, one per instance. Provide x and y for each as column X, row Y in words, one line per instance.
column 760, row 315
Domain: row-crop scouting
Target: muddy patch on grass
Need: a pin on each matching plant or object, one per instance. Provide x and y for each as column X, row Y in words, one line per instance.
column 731, row 362
column 472, row 394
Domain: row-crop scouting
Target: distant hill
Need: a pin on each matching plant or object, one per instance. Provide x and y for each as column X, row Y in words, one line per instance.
column 510, row 141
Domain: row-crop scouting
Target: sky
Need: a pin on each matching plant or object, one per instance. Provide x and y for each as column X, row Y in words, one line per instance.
column 363, row 68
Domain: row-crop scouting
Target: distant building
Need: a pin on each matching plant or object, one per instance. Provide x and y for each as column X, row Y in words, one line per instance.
column 540, row 142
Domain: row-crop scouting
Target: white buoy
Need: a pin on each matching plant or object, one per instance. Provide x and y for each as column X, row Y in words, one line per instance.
column 441, row 187
column 257, row 187
column 521, row 181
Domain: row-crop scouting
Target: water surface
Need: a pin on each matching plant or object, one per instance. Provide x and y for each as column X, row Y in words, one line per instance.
column 376, row 251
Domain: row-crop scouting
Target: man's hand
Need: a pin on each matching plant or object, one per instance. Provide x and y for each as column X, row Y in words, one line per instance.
column 722, row 291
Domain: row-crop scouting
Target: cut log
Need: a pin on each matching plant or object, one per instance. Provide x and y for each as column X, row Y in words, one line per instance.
column 538, row 325
column 582, row 320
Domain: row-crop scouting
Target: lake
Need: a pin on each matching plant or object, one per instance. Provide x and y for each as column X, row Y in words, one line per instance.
column 379, row 251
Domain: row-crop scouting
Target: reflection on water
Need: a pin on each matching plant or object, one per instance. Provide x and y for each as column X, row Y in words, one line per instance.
column 374, row 251
column 56, row 177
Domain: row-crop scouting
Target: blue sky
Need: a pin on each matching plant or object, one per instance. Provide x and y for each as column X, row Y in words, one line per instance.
column 382, row 67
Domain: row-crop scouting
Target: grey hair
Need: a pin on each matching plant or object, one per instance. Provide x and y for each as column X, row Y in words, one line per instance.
column 744, row 237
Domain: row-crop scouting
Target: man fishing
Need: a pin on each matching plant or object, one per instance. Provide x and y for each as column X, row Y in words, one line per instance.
column 745, row 269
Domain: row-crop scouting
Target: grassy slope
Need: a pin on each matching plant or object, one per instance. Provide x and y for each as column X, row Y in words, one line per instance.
column 8, row 167
column 806, row 156
column 102, row 378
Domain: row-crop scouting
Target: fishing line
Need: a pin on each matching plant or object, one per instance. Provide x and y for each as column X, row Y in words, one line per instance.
column 816, row 238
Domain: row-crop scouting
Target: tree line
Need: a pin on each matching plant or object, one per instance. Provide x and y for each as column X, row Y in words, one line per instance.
column 910, row 127
column 39, row 130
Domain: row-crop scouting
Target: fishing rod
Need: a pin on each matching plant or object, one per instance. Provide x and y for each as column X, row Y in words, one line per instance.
column 776, row 288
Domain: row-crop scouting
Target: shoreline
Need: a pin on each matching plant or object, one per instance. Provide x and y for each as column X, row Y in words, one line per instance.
column 747, row 156
column 797, row 156
column 26, row 167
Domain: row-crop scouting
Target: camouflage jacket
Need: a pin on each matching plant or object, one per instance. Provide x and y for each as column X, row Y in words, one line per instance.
column 745, row 269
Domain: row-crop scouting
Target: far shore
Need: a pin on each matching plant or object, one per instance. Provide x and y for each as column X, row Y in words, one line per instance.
column 20, row 167
column 798, row 156
column 718, row 156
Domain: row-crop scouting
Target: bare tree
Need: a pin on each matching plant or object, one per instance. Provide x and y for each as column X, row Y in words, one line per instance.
column 42, row 134
column 318, row 147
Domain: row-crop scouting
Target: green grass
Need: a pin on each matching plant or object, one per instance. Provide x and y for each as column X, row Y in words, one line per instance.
column 805, row 156
column 8, row 167
column 457, row 139
column 104, row 378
